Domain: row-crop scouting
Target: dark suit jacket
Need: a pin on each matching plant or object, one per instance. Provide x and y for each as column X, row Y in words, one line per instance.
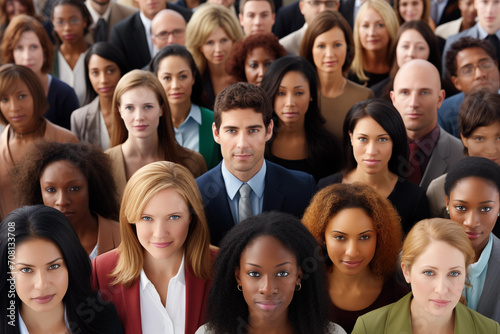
column 117, row 14
column 285, row 190
column 127, row 299
column 288, row 20
column 450, row 13
column 347, row 10
column 489, row 302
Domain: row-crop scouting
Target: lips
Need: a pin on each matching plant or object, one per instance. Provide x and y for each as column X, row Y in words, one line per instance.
column 440, row 302
column 68, row 37
column 140, row 127
column 14, row 119
column 371, row 162
column 290, row 114
column 351, row 264
column 175, row 95
column 105, row 89
column 161, row 244
column 268, row 305
column 242, row 156
column 219, row 57
column 413, row 115
column 68, row 213
column 44, row 299
column 473, row 235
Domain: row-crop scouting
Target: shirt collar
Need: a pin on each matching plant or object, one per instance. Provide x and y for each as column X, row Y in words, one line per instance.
column 426, row 143
column 475, row 269
column 194, row 113
column 233, row 184
column 179, row 277
column 483, row 34
column 96, row 16
column 146, row 22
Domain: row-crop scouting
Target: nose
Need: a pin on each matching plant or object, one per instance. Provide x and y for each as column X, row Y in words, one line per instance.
column 267, row 286
column 41, row 280
column 159, row 230
column 414, row 101
column 242, row 140
column 170, row 39
column 352, row 249
column 479, row 73
column 412, row 52
column 13, row 106
column 441, row 285
column 261, row 71
column 472, row 219
column 371, row 147
column 322, row 7
column 62, row 199
column 103, row 77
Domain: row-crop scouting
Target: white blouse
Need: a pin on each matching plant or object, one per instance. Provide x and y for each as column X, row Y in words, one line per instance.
column 74, row 77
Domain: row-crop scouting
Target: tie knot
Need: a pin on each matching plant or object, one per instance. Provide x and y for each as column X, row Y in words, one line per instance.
column 245, row 190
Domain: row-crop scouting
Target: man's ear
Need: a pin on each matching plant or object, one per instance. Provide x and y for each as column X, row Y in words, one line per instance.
column 269, row 130
column 456, row 83
column 215, row 133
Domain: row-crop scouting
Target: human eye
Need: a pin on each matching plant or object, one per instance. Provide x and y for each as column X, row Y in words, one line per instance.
column 339, row 45
column 19, row 47
column 460, row 208
column 224, row 40
column 283, row 273
column 74, row 188
column 33, row 47
column 425, row 92
column 383, row 139
column 339, row 237
column 364, row 237
column 148, row 106
column 299, row 93
column 380, row 25
column 50, row 189
column 362, row 139
column 22, row 96
column 146, row 218
column 54, row 266
column 478, row 138
column 210, row 42
column 486, row 209
column 174, row 217
column 320, row 46
column 94, row 73
column 253, row 130
column 253, row 65
column 454, row 273
column 183, row 76
column 365, row 25
column 167, row 78
column 428, row 273
column 281, row 93
column 253, row 274
column 110, row 71
column 26, row 270
column 231, row 131
column 4, row 99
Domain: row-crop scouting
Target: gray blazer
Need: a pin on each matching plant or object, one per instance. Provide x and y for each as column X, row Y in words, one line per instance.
column 489, row 302
column 448, row 151
column 471, row 32
column 86, row 123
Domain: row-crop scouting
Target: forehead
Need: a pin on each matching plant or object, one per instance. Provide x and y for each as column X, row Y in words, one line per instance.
column 441, row 255
column 469, row 55
column 168, row 21
column 241, row 118
column 413, row 76
column 256, row 6
column 66, row 10
column 37, row 251
column 266, row 248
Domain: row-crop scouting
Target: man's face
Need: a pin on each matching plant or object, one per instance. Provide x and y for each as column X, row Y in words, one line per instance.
column 488, row 14
column 257, row 17
column 475, row 68
column 242, row 136
column 151, row 7
column 417, row 95
column 310, row 8
column 170, row 29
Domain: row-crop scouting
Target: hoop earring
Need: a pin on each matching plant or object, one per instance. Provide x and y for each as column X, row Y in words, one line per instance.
column 239, row 287
column 298, row 287
column 448, row 212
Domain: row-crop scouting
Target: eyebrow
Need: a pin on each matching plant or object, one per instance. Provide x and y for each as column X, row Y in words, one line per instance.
column 30, row 265
column 435, row 268
column 229, row 127
column 174, row 73
column 380, row 135
column 462, row 201
column 278, row 265
column 340, row 232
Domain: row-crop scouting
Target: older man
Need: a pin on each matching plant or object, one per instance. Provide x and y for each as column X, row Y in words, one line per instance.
column 168, row 27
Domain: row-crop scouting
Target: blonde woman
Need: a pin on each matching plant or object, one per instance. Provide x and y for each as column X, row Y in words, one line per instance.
column 374, row 34
column 210, row 36
column 159, row 276
column 142, row 130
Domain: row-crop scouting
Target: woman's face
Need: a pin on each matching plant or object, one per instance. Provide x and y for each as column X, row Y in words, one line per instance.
column 17, row 107
column 373, row 33
column 437, row 278
column 475, row 203
column 177, row 79
column 140, row 110
column 42, row 276
column 467, row 11
column 104, row 75
column 14, row 8
column 163, row 227
column 65, row 188
column 292, row 100
column 329, row 51
column 484, row 142
column 371, row 146
column 69, row 23
column 256, row 64
column 411, row 9
column 268, row 274
column 217, row 47
column 411, row 45
column 351, row 241
column 29, row 52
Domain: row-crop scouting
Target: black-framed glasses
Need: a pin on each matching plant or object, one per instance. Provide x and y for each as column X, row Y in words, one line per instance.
column 328, row 4
column 484, row 65
column 176, row 33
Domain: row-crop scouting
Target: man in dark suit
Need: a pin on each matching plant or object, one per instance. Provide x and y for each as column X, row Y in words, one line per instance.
column 244, row 183
column 105, row 14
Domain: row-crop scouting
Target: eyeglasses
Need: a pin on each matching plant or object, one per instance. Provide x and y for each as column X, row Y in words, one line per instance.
column 71, row 22
column 484, row 65
column 163, row 35
column 328, row 4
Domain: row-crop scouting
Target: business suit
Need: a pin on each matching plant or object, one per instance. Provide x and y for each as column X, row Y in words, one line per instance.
column 117, row 13
column 285, row 190
column 127, row 299
column 396, row 319
column 347, row 10
column 86, row 123
column 489, row 302
column 288, row 20
column 447, row 152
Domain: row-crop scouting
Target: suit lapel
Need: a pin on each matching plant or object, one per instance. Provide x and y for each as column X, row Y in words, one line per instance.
column 273, row 197
column 489, row 300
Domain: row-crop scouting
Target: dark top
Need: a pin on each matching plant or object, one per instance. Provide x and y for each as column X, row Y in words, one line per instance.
column 208, row 95
column 409, row 200
column 391, row 292
column 373, row 78
column 303, row 165
column 62, row 102
column 288, row 19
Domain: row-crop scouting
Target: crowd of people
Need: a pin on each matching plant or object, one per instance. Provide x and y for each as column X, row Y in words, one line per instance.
column 206, row 166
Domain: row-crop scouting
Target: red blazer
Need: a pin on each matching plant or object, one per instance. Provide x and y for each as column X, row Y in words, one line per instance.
column 127, row 299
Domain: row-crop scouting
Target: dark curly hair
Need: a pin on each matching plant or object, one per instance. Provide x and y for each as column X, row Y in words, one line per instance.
column 465, row 43
column 92, row 162
column 331, row 200
column 227, row 311
column 235, row 64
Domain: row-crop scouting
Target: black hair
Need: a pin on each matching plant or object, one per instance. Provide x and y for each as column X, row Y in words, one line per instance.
column 463, row 43
column 80, row 4
column 227, row 311
column 324, row 151
column 84, row 310
column 109, row 52
column 472, row 167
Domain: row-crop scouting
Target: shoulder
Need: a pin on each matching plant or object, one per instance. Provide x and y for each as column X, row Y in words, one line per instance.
column 332, row 179
column 405, row 186
column 128, row 22
column 454, row 142
column 212, row 173
column 59, row 134
column 61, row 86
column 476, row 322
column 103, row 264
column 355, row 87
column 279, row 172
column 333, row 328
column 126, row 10
column 114, row 152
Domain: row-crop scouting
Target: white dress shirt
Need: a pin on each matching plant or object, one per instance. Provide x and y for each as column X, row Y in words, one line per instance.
column 74, row 77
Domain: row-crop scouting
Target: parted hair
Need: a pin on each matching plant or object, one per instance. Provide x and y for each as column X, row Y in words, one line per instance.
column 241, row 7
column 425, row 14
column 11, row 75
column 323, row 22
column 204, row 21
column 140, row 189
column 329, row 201
column 80, row 5
column 92, row 162
column 227, row 311
column 480, row 167
column 463, row 43
column 19, row 25
column 28, row 4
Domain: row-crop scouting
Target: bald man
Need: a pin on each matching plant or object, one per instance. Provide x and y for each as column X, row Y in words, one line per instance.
column 168, row 27
column 417, row 95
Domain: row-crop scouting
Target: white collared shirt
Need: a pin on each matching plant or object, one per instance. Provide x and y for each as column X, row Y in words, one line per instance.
column 96, row 16
column 149, row 36
column 74, row 77
column 155, row 317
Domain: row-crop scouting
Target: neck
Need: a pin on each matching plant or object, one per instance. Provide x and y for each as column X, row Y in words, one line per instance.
column 278, row 326
column 86, row 225
column 180, row 112
column 419, row 134
column 105, row 105
column 489, row 30
column 145, row 148
column 332, row 84
column 291, row 129
column 29, row 132
column 245, row 176
column 339, row 280
column 164, row 267
column 422, row 322
column 217, row 70
column 77, row 47
column 375, row 61
column 44, row 322
column 378, row 181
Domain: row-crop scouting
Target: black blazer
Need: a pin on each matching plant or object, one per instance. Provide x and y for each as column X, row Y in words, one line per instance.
column 285, row 190
column 288, row 20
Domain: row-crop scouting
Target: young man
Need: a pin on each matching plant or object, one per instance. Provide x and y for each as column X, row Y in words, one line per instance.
column 257, row 16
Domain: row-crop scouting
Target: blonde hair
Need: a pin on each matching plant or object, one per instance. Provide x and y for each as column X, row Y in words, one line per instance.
column 140, row 189
column 204, row 21
column 391, row 22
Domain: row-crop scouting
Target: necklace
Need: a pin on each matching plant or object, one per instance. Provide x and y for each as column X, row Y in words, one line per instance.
column 21, row 135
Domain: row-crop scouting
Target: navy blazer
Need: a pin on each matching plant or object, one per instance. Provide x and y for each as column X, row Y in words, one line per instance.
column 285, row 190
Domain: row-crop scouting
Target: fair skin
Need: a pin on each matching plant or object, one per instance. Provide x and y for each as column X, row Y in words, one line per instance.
column 65, row 188
column 488, row 15
column 329, row 54
column 484, row 142
column 312, row 8
column 411, row 45
column 417, row 95
column 162, row 231
column 437, row 277
column 225, row 3
column 475, row 202
column 41, row 283
column 411, row 9
column 290, row 105
column 151, row 7
column 268, row 274
column 14, row 8
column 216, row 50
column 168, row 27
column 257, row 17
column 104, row 75
column 468, row 13
column 177, row 79
column 484, row 73
column 242, row 136
column 140, row 110
column 100, row 6
column 374, row 38
column 351, row 248
column 372, row 149
column 256, row 64
column 69, row 26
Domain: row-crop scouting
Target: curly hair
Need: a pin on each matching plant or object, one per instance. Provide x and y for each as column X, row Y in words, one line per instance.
column 235, row 64
column 227, row 310
column 463, row 43
column 90, row 160
column 337, row 197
